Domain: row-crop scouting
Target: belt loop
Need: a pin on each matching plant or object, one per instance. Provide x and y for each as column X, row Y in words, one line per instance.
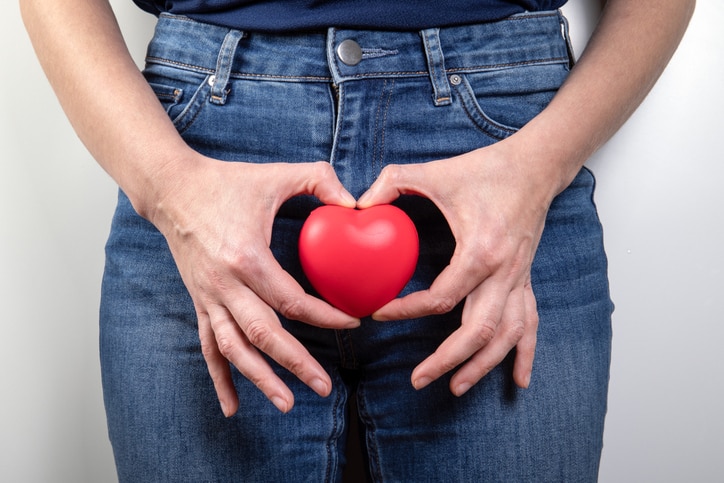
column 565, row 32
column 224, row 64
column 436, row 66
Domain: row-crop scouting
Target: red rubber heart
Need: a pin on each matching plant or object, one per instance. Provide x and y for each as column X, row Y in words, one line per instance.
column 358, row 260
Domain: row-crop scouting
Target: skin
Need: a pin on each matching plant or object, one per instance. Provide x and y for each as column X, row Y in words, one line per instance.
column 223, row 255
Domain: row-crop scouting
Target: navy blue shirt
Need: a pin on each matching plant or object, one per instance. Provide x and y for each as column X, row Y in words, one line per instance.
column 295, row 15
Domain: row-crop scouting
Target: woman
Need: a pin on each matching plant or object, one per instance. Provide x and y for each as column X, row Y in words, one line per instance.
column 465, row 115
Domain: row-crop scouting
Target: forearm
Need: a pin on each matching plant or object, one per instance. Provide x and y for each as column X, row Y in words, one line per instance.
column 625, row 56
column 104, row 95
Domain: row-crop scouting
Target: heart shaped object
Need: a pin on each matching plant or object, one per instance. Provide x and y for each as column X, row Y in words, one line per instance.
column 358, row 260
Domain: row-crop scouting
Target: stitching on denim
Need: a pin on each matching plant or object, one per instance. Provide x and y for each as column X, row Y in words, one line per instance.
column 531, row 15
column 180, row 18
column 378, row 149
column 196, row 102
column 384, row 121
column 431, row 65
column 411, row 73
column 190, row 122
column 552, row 60
column 490, row 124
column 235, row 75
column 431, row 44
column 335, row 140
column 161, row 60
column 377, row 123
column 370, row 429
column 347, row 356
column 332, row 441
column 377, row 74
column 243, row 75
column 471, row 68
column 376, row 53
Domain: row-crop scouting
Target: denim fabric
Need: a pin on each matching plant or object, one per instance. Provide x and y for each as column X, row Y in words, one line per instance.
column 413, row 97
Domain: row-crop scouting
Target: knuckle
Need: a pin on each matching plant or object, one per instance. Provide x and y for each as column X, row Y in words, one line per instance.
column 484, row 333
column 296, row 365
column 517, row 330
column 390, row 173
column 259, row 333
column 317, row 173
column 448, row 365
column 226, row 346
column 209, row 349
column 292, row 308
column 443, row 304
column 323, row 169
column 245, row 256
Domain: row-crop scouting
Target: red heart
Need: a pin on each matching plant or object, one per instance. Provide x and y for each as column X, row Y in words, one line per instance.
column 358, row 260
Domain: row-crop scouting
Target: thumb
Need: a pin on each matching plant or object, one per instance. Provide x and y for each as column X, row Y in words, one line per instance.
column 320, row 180
column 393, row 181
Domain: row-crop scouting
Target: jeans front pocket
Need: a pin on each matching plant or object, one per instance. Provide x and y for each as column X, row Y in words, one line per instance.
column 169, row 96
column 183, row 94
column 499, row 102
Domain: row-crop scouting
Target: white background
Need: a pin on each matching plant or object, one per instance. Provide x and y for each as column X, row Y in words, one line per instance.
column 659, row 198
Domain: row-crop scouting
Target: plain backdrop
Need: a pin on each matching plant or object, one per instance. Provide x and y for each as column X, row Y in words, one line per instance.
column 659, row 198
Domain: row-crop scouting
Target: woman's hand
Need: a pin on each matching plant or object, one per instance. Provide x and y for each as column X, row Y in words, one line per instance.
column 217, row 218
column 496, row 210
column 495, row 199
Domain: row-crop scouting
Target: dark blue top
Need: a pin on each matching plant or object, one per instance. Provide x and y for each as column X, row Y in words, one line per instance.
column 294, row 15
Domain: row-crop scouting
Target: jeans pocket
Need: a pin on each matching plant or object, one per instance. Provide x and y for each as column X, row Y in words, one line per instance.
column 183, row 94
column 500, row 102
column 168, row 96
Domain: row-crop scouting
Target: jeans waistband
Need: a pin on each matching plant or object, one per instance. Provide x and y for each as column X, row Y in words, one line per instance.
column 539, row 37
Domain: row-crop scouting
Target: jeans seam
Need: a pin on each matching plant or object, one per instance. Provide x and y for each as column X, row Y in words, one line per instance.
column 378, row 148
column 236, row 74
column 473, row 68
column 332, row 442
column 337, row 127
column 484, row 67
column 369, row 433
column 489, row 124
column 347, row 357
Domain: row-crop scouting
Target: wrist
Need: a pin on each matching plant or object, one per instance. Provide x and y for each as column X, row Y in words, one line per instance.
column 154, row 185
column 549, row 161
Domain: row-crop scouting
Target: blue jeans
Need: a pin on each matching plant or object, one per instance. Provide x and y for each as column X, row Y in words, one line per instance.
column 399, row 98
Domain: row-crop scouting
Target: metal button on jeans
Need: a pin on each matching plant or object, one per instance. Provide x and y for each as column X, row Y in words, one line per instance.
column 349, row 52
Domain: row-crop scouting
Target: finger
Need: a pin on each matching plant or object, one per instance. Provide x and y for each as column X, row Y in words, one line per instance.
column 525, row 350
column 508, row 334
column 218, row 367
column 262, row 330
column 393, row 181
column 453, row 284
column 275, row 286
column 481, row 315
column 320, row 180
column 234, row 347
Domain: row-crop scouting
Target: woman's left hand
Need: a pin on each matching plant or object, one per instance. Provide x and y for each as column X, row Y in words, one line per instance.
column 496, row 207
column 495, row 199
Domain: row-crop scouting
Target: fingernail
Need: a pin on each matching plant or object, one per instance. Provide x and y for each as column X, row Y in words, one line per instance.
column 462, row 388
column 362, row 201
column 320, row 387
column 353, row 324
column 421, row 382
column 224, row 409
column 347, row 199
column 280, row 403
column 527, row 381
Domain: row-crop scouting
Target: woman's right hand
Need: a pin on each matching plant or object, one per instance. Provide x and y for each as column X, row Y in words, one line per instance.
column 217, row 218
